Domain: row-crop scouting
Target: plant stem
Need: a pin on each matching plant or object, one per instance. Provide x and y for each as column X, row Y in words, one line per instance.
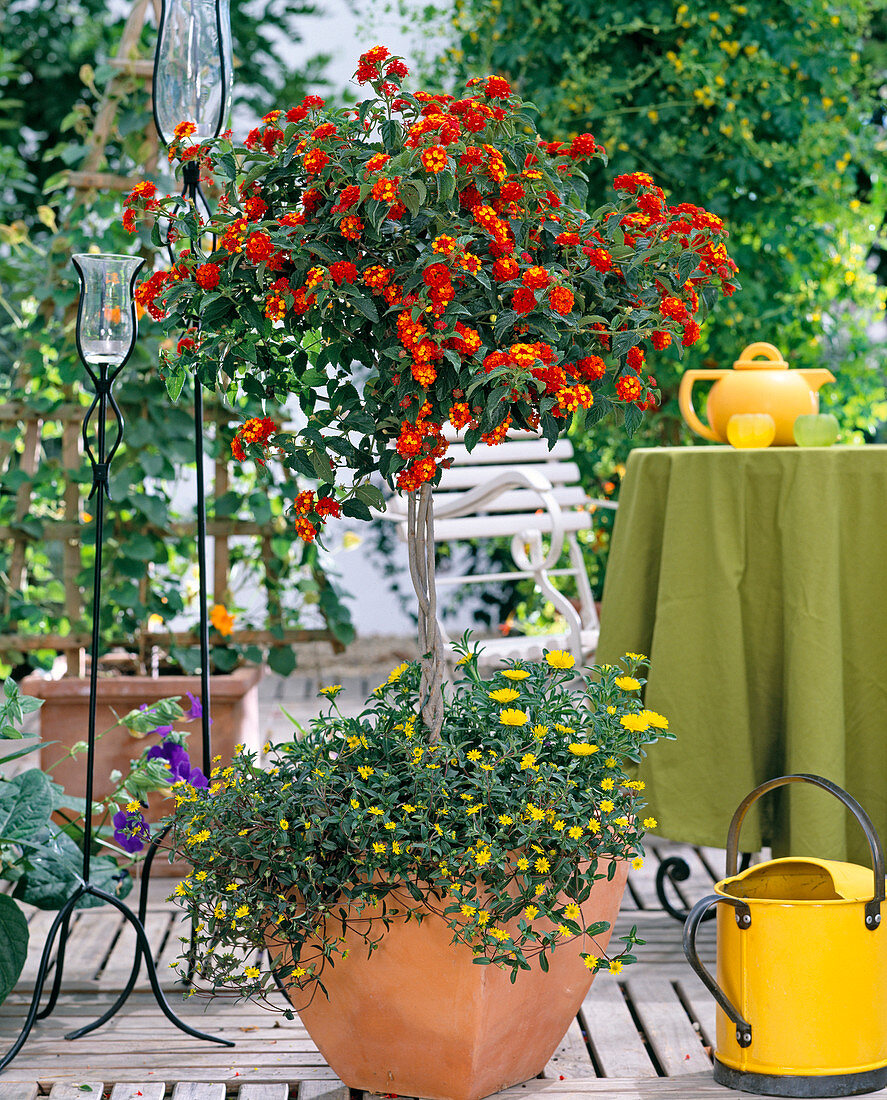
column 420, row 547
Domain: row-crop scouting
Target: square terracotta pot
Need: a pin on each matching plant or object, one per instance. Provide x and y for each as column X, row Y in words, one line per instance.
column 418, row 1017
column 234, row 705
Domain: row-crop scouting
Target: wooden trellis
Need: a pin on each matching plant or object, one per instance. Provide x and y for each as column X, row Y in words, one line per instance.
column 66, row 527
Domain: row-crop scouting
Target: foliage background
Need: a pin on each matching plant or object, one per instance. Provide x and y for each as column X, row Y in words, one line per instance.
column 50, row 86
column 770, row 114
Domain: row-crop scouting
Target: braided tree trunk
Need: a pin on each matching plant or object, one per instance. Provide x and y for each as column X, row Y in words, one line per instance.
column 420, row 545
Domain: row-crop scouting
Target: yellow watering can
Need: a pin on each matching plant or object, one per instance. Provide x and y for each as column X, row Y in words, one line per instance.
column 760, row 382
column 801, row 968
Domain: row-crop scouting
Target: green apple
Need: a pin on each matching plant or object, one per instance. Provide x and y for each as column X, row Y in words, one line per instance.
column 816, row 430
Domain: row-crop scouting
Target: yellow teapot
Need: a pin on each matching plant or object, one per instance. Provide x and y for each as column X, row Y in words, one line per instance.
column 755, row 385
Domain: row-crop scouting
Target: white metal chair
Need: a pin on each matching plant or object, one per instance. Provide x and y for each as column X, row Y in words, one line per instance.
column 523, row 490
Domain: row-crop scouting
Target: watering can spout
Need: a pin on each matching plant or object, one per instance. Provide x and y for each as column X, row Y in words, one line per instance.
column 816, row 377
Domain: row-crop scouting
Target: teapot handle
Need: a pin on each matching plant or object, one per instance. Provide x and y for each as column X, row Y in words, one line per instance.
column 685, row 400
column 873, row 907
column 761, row 350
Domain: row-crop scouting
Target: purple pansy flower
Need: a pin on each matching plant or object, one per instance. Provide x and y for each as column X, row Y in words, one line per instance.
column 196, row 709
column 131, row 830
column 179, row 763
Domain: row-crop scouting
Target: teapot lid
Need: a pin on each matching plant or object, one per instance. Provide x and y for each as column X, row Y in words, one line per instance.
column 749, row 360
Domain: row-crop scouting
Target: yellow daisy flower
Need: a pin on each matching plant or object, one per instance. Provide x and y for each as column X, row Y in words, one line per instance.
column 637, row 723
column 514, row 673
column 582, row 748
column 513, row 718
column 627, row 683
column 560, row 658
column 504, row 695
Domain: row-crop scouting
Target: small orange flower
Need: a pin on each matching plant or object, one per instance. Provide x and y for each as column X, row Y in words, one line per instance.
column 222, row 620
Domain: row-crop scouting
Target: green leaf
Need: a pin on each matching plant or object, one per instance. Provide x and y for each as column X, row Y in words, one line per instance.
column 356, row 509
column 55, row 873
column 26, row 804
column 633, row 419
column 281, row 660
column 175, row 380
column 366, row 306
column 13, row 944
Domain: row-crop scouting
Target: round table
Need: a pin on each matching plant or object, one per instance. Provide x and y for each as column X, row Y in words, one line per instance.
column 756, row 581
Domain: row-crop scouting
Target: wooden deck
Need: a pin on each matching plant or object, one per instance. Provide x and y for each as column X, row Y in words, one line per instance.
column 648, row 1034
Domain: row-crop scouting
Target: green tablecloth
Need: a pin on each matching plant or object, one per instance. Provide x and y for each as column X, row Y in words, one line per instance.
column 757, row 583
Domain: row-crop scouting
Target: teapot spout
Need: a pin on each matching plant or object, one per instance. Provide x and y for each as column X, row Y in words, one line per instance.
column 816, row 377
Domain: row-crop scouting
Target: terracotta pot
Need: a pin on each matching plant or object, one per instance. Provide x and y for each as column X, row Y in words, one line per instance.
column 418, row 1018
column 234, row 703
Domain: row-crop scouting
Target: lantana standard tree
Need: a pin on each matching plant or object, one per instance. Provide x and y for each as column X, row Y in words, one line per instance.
column 414, row 261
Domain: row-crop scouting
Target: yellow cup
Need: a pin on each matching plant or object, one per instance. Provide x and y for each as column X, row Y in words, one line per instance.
column 745, row 430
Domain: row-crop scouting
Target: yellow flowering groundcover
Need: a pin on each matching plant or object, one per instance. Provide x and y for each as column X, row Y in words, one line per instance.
column 508, row 818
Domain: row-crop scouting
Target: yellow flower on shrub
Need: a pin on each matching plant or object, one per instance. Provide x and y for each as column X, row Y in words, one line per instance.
column 513, row 718
column 658, row 721
column 582, row 748
column 627, row 683
column 637, row 723
column 331, row 690
column 560, row 658
column 504, row 695
column 514, row 673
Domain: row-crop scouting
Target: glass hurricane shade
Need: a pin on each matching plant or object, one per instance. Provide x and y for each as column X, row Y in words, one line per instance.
column 193, row 67
column 106, row 318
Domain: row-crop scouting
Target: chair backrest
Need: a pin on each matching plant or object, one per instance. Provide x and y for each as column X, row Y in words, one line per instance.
column 556, row 465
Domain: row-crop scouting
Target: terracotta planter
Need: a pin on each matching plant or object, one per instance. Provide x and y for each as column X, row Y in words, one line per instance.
column 418, row 1018
column 64, row 715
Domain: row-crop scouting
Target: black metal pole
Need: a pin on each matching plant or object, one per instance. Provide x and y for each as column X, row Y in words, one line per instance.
column 202, row 577
column 192, row 194
column 99, row 489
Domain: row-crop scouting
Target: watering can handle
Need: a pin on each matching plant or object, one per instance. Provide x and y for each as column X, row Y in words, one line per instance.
column 873, row 907
column 694, row 919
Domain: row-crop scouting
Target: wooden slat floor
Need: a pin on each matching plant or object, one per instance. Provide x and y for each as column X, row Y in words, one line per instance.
column 645, row 1035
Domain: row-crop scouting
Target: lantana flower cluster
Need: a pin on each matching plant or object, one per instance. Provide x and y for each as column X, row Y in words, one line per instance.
column 420, row 263
column 499, row 828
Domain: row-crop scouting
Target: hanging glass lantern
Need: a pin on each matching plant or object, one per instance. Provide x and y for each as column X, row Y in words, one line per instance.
column 193, row 67
column 106, row 317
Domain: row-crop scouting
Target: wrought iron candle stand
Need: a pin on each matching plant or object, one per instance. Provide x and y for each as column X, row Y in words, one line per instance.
column 192, row 82
column 106, row 332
